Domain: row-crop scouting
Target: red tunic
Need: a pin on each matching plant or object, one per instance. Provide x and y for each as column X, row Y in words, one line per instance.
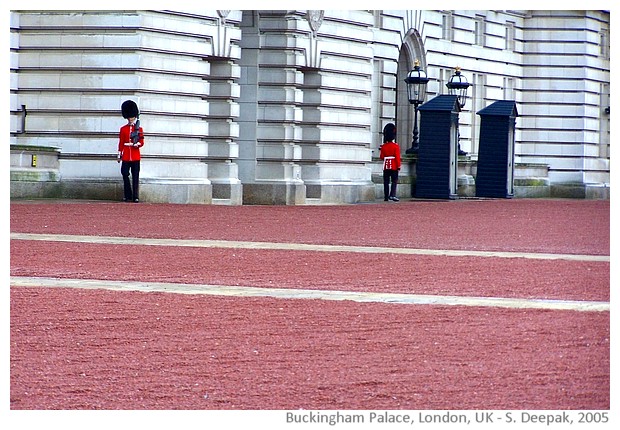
column 129, row 153
column 390, row 154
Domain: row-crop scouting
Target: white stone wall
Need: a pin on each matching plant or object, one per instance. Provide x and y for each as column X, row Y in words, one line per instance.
column 288, row 106
column 76, row 68
column 555, row 64
column 564, row 71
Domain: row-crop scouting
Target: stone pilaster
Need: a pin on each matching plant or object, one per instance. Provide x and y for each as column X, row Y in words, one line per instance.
column 273, row 78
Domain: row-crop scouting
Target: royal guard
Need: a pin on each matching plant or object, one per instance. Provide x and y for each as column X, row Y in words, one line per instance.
column 390, row 154
column 131, row 139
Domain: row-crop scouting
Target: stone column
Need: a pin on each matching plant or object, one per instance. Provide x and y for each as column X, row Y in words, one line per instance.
column 273, row 176
column 224, row 110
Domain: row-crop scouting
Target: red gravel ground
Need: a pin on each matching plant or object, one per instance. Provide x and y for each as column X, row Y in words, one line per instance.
column 96, row 349
column 560, row 226
column 110, row 350
column 415, row 274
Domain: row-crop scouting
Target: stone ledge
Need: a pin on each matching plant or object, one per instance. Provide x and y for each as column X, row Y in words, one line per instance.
column 23, row 174
column 580, row 191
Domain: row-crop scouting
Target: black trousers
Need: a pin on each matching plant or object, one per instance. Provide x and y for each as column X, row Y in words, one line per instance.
column 389, row 175
column 130, row 193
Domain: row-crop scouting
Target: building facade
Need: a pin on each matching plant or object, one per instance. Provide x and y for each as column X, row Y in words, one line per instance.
column 287, row 106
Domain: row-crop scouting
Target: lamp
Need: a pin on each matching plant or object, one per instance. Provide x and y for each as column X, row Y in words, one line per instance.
column 416, row 91
column 458, row 85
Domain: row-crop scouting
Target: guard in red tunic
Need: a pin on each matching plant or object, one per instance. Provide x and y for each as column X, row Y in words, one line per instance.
column 390, row 154
column 131, row 139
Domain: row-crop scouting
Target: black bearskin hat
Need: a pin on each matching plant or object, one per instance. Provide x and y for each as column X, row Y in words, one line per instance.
column 129, row 109
column 389, row 132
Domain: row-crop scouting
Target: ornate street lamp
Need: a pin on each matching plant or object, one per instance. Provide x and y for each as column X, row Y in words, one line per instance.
column 416, row 91
column 457, row 86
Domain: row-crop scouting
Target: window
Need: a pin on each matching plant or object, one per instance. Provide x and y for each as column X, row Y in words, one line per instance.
column 444, row 77
column 480, row 30
column 604, row 119
column 508, row 88
column 510, row 36
column 447, row 25
column 604, row 40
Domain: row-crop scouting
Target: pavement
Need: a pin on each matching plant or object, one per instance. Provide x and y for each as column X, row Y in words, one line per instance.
column 474, row 266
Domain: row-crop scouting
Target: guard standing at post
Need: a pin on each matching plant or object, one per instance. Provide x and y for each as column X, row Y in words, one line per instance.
column 131, row 139
column 390, row 154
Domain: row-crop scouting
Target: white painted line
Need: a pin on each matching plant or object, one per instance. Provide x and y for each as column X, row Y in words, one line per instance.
column 113, row 240
column 283, row 293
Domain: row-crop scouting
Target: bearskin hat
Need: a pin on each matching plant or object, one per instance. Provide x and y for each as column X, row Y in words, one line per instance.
column 389, row 132
column 129, row 109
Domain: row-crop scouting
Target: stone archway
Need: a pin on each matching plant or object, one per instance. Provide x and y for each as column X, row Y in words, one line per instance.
column 412, row 49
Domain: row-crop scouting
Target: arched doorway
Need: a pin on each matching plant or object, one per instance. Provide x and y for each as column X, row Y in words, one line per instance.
column 412, row 49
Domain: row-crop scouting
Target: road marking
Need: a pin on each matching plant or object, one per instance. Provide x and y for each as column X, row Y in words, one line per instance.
column 284, row 293
column 114, row 240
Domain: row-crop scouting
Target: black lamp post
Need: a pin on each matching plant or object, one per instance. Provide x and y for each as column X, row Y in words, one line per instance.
column 416, row 91
column 458, row 85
